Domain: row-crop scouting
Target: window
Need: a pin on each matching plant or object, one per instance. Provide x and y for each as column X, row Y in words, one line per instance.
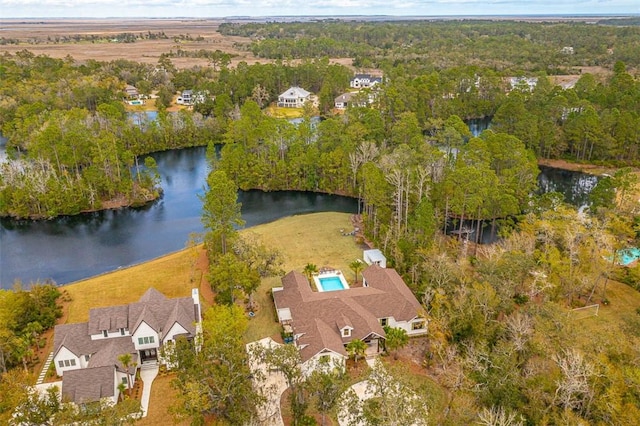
column 86, row 357
column 346, row 332
column 124, row 381
column 105, row 333
column 145, row 340
column 384, row 322
column 67, row 363
column 122, row 331
column 417, row 325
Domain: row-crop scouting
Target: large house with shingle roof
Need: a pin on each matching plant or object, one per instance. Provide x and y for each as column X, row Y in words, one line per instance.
column 86, row 354
column 293, row 97
column 323, row 323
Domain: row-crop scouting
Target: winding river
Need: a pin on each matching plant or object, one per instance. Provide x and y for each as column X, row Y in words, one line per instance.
column 68, row 249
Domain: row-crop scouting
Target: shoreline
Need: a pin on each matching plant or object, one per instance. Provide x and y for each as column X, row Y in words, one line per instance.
column 592, row 169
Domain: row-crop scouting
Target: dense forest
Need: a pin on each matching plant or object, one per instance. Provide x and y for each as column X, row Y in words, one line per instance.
column 503, row 343
column 504, row 46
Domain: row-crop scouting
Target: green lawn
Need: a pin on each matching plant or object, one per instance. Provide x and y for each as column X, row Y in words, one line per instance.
column 312, row 238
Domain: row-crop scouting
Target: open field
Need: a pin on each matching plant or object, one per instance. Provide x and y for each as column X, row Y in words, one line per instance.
column 39, row 37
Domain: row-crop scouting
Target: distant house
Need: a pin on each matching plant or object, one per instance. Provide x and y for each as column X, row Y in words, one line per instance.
column 294, row 97
column 185, row 98
column 131, row 92
column 86, row 354
column 526, row 83
column 567, row 50
column 362, row 81
column 343, row 101
column 190, row 97
column 357, row 99
column 324, row 322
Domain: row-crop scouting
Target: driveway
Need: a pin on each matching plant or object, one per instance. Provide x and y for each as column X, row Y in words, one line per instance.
column 273, row 386
column 147, row 374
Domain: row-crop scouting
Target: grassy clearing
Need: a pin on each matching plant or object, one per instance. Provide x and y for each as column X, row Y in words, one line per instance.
column 618, row 318
column 169, row 274
column 312, row 238
column 280, row 112
column 163, row 396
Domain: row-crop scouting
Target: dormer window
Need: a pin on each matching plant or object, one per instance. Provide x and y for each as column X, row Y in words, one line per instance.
column 346, row 332
column 384, row 322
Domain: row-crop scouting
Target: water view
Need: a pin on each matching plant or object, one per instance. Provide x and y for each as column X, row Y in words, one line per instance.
column 72, row 248
column 67, row 249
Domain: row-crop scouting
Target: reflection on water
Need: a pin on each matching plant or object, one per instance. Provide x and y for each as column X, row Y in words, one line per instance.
column 71, row 248
column 575, row 186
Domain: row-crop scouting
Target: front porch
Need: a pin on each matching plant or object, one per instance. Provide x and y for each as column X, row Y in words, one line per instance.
column 148, row 356
column 375, row 345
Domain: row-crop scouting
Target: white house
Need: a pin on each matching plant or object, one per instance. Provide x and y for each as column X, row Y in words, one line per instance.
column 323, row 323
column 189, row 97
column 361, row 81
column 293, row 97
column 87, row 354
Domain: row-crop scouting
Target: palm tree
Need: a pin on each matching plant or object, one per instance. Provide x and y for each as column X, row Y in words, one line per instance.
column 309, row 270
column 127, row 361
column 121, row 388
column 396, row 338
column 356, row 348
column 356, row 266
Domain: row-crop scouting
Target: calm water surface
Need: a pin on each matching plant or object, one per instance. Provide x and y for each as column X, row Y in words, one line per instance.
column 72, row 248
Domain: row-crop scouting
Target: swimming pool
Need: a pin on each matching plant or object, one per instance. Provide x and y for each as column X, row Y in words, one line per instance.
column 331, row 282
column 627, row 256
column 136, row 103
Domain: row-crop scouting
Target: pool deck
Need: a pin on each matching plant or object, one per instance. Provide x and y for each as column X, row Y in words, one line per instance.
column 330, row 274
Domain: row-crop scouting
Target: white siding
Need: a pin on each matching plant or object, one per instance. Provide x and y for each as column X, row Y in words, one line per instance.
column 144, row 330
column 408, row 325
column 173, row 331
column 110, row 334
column 63, row 355
column 314, row 363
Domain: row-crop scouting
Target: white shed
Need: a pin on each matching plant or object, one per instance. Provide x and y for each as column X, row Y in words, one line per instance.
column 375, row 256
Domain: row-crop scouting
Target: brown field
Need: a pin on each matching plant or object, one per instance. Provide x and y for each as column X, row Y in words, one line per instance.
column 38, row 37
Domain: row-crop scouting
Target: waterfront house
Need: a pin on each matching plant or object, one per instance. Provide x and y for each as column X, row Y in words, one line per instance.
column 87, row 355
column 322, row 323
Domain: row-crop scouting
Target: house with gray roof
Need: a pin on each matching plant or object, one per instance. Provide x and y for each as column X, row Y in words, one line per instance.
column 87, row 354
column 363, row 81
column 293, row 97
column 324, row 322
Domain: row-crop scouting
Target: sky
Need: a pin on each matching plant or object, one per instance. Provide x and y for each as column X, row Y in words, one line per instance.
column 223, row 8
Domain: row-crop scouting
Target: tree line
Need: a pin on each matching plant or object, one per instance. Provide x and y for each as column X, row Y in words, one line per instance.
column 504, row 46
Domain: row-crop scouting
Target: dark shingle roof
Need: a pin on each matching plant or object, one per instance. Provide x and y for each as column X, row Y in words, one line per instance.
column 153, row 308
column 88, row 384
column 317, row 317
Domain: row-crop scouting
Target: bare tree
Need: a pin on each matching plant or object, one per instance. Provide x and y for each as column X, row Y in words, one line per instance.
column 520, row 329
column 573, row 390
column 498, row 416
